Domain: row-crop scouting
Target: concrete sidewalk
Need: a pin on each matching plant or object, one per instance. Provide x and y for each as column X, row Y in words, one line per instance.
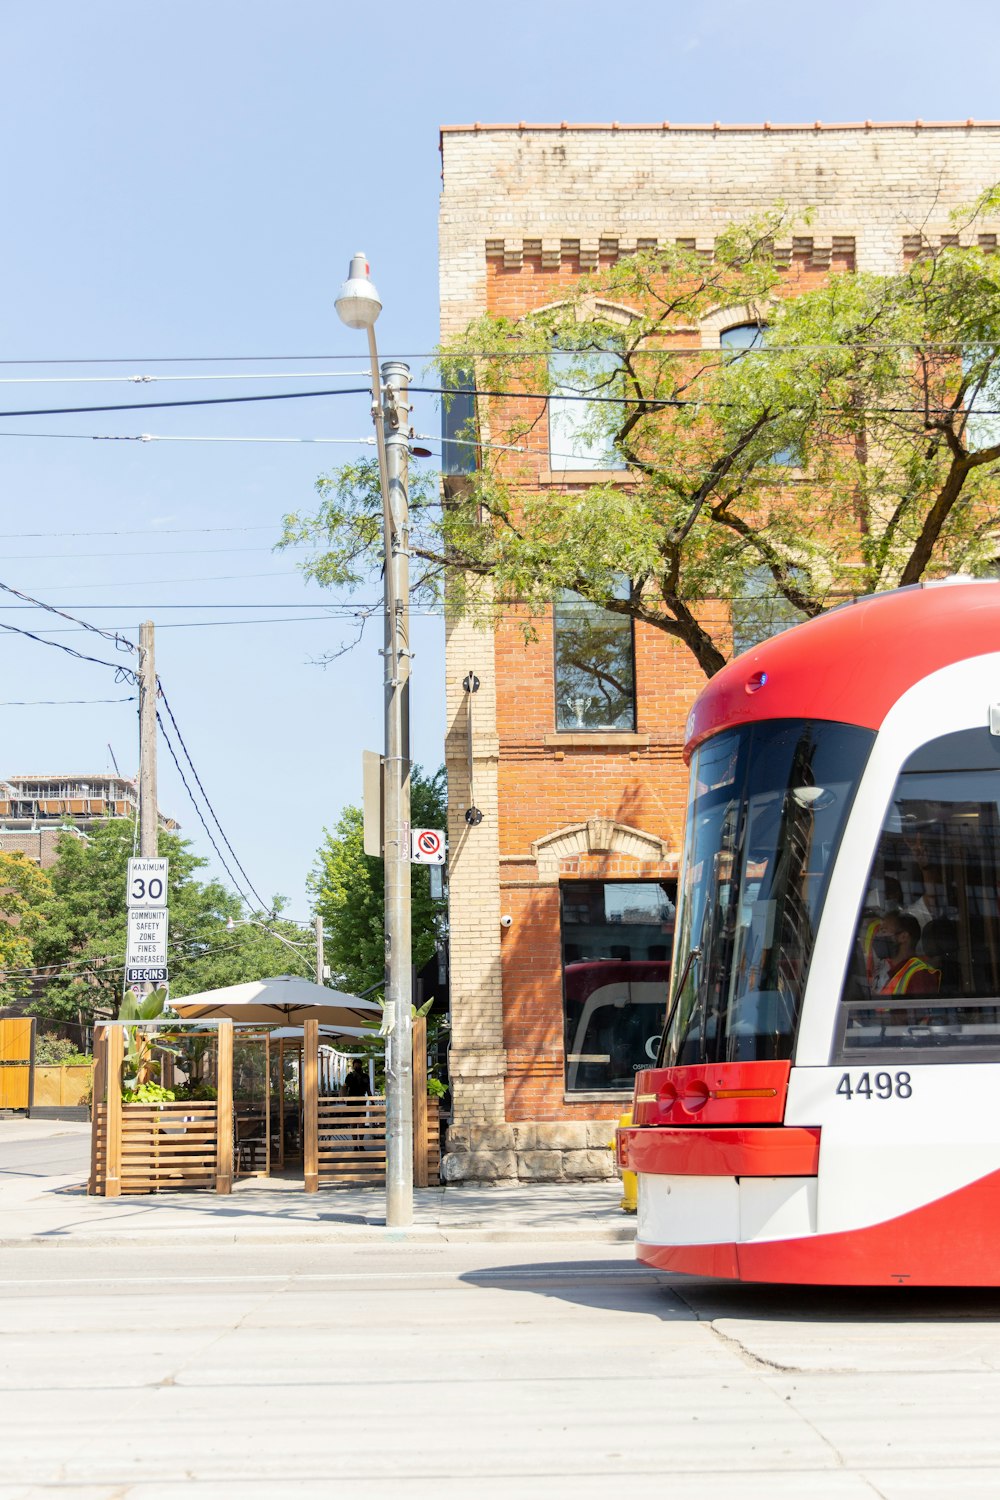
column 43, row 1200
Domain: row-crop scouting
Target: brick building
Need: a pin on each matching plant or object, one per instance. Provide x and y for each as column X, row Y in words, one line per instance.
column 582, row 799
column 36, row 809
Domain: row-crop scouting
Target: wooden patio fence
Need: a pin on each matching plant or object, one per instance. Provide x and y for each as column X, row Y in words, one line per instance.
column 143, row 1148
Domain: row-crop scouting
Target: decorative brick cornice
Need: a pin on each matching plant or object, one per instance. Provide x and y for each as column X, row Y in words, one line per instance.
column 588, row 252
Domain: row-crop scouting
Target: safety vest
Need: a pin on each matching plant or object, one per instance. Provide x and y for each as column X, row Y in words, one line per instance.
column 899, row 983
column 868, row 945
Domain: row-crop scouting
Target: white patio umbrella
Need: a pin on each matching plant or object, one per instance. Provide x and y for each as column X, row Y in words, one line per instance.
column 334, row 1033
column 286, row 999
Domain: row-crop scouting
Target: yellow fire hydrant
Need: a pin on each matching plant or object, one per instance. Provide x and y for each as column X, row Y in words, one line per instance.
column 630, row 1182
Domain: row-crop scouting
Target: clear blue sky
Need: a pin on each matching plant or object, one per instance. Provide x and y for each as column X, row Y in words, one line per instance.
column 187, row 179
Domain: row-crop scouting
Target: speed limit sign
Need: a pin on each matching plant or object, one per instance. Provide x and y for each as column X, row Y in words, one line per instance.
column 427, row 846
column 147, row 883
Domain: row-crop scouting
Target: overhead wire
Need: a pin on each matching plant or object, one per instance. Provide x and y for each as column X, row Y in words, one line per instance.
column 118, row 641
column 60, row 702
column 158, row 379
column 11, row 536
column 194, row 771
column 122, row 673
column 652, row 403
column 194, row 803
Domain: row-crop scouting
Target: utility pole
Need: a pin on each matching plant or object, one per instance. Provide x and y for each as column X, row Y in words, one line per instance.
column 358, row 306
column 148, row 818
column 320, row 965
column 399, row 1042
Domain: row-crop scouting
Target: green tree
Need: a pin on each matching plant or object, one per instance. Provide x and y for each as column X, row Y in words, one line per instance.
column 855, row 450
column 84, row 919
column 348, row 890
column 24, row 888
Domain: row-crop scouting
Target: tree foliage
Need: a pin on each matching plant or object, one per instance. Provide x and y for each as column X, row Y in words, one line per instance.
column 24, row 889
column 82, row 921
column 349, row 891
column 855, row 452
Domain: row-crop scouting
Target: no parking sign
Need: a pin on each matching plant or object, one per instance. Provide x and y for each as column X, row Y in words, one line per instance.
column 427, row 846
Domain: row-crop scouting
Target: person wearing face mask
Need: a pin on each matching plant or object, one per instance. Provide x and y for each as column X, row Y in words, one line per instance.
column 896, row 941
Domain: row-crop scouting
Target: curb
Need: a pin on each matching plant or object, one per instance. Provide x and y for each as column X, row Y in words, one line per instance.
column 336, row 1234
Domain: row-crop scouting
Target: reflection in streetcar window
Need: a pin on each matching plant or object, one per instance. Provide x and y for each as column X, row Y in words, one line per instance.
column 924, row 973
column 767, row 807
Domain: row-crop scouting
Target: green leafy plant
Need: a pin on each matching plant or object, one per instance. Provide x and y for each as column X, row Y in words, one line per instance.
column 148, row 1093
column 58, row 1052
column 435, row 1088
column 141, row 1065
column 196, row 1090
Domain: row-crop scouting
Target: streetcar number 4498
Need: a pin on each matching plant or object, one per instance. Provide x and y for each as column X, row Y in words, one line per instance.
column 876, row 1086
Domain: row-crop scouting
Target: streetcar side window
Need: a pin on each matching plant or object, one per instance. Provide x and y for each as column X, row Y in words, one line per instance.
column 923, row 979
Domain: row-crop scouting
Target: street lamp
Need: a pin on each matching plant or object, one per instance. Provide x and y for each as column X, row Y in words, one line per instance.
column 358, row 306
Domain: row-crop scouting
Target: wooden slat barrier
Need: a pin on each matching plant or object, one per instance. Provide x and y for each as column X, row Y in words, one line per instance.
column 351, row 1150
column 351, row 1144
column 162, row 1146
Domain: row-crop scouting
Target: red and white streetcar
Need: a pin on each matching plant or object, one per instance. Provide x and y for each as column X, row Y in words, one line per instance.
column 826, row 1102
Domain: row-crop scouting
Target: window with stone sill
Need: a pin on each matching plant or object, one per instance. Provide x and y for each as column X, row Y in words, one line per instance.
column 580, row 431
column 982, row 424
column 617, row 938
column 594, row 666
column 742, row 339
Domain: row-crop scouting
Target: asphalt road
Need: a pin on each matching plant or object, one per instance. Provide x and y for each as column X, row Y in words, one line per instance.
column 56, row 1151
column 478, row 1371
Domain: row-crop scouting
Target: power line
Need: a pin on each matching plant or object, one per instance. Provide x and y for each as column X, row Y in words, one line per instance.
column 153, row 552
column 11, row 536
column 455, row 353
column 65, row 411
column 118, row 641
column 653, row 403
column 158, row 379
column 60, row 702
column 657, row 403
column 122, row 673
column 191, row 798
column 199, row 359
column 253, row 604
column 201, row 788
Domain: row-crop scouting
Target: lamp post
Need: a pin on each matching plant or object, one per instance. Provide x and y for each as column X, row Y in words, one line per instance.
column 358, row 306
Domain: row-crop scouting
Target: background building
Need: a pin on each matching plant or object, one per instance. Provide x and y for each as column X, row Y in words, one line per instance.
column 582, row 792
column 36, row 809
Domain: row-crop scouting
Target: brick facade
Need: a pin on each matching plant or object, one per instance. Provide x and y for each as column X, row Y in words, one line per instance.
column 526, row 210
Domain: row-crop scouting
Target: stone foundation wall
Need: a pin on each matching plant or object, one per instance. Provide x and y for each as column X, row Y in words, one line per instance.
column 557, row 1151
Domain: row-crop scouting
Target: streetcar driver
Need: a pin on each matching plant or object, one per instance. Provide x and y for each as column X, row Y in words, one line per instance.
column 896, row 941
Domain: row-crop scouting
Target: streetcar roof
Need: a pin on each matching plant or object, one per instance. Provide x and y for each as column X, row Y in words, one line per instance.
column 851, row 664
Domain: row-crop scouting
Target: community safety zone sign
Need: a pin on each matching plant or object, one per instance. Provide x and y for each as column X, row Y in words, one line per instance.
column 146, row 946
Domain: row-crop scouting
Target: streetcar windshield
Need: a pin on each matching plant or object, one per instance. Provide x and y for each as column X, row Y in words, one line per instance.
column 766, row 810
